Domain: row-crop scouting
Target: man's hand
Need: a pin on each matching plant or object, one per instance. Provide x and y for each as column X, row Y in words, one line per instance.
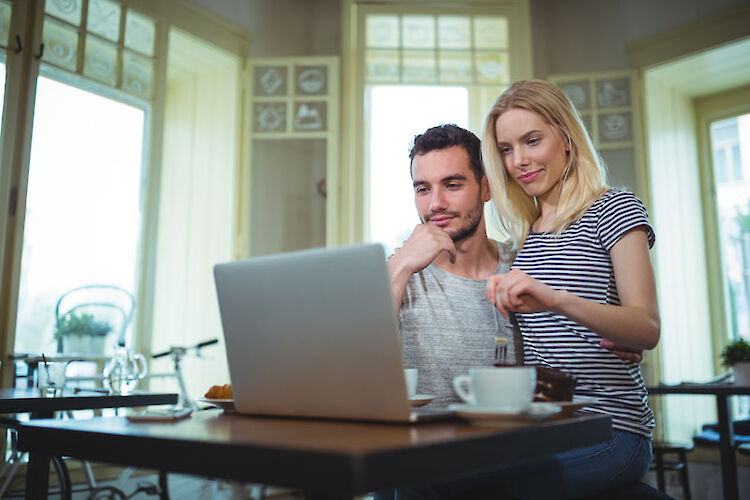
column 626, row 353
column 424, row 245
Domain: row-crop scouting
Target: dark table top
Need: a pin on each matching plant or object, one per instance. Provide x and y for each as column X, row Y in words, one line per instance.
column 329, row 458
column 721, row 389
column 27, row 400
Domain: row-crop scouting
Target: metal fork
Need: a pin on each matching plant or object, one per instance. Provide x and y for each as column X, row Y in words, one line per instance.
column 501, row 351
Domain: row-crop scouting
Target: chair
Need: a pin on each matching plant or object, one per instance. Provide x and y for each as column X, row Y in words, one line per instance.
column 106, row 303
column 679, row 463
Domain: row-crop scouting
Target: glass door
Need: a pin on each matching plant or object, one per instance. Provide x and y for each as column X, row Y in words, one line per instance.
column 730, row 150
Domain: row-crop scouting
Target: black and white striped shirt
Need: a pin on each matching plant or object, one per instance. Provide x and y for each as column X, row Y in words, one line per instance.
column 578, row 261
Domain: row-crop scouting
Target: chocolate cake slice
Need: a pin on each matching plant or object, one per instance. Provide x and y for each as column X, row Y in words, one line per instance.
column 553, row 385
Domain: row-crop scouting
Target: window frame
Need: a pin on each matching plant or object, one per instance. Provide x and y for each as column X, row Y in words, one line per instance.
column 348, row 223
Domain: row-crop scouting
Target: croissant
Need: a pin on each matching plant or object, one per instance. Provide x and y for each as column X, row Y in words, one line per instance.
column 220, row 392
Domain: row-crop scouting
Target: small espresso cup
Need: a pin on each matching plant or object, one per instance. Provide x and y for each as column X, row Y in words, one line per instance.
column 507, row 387
column 410, row 375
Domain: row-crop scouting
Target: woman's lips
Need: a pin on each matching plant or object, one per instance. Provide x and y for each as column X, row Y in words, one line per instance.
column 528, row 177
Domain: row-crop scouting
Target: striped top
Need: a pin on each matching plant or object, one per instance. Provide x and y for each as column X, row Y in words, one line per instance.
column 578, row 261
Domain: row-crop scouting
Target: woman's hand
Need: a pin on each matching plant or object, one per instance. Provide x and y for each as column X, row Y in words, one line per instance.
column 516, row 291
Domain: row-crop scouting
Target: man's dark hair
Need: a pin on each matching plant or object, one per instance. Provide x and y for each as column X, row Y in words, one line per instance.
column 445, row 136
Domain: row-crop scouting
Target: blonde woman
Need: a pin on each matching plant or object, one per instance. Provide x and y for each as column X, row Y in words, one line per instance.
column 582, row 279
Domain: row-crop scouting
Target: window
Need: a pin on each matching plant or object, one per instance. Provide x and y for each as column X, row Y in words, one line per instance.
column 416, row 67
column 730, row 144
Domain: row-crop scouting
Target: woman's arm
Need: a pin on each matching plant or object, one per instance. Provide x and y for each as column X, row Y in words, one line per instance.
column 635, row 323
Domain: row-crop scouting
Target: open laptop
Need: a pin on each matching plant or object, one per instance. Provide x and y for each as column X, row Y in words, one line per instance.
column 314, row 333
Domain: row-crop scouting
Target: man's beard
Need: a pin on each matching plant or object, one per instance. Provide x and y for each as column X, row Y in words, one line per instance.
column 474, row 217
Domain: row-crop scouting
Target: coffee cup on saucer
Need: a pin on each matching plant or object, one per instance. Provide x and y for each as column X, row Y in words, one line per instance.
column 411, row 377
column 509, row 387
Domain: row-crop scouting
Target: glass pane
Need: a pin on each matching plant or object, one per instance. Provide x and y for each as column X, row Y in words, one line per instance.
column 137, row 75
column 392, row 215
column 418, row 32
column 490, row 33
column 310, row 116
column 419, row 67
column 67, row 10
column 455, row 67
column 140, row 33
column 578, row 93
column 2, row 85
column 311, row 80
column 60, row 45
column 615, row 127
column 270, row 80
column 382, row 32
column 101, row 60
column 493, row 67
column 269, row 117
column 104, row 19
column 382, row 66
column 733, row 210
column 83, row 219
column 454, row 32
column 4, row 23
column 613, row 93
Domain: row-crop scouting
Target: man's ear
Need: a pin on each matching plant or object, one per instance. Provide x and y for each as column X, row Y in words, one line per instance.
column 486, row 193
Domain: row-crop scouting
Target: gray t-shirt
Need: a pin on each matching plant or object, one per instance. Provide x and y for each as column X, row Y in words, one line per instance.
column 448, row 326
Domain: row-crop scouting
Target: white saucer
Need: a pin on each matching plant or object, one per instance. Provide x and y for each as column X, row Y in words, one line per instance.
column 224, row 404
column 489, row 415
column 577, row 403
column 420, row 399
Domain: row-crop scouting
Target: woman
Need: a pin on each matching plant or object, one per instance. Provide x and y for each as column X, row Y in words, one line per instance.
column 581, row 280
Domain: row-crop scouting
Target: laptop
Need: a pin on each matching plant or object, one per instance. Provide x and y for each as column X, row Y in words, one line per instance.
column 314, row 333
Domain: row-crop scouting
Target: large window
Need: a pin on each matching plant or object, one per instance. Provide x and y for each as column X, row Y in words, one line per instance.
column 83, row 218
column 414, row 67
column 730, row 151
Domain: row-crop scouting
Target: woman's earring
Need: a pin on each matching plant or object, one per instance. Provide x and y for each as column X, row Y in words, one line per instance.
column 570, row 146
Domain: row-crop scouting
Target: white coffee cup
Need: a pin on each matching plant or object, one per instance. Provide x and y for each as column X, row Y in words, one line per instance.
column 410, row 375
column 509, row 387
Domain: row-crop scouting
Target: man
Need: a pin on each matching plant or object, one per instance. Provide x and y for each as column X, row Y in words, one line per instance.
column 438, row 276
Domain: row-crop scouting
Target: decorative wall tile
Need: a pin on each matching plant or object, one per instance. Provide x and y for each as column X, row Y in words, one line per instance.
column 383, row 31
column 140, row 33
column 418, row 32
column 492, row 67
column 382, row 66
column 104, row 19
column 613, row 93
column 490, row 32
column 270, row 81
column 137, row 75
column 578, row 93
column 60, row 45
column 455, row 67
column 310, row 116
column 419, row 67
column 454, row 32
column 67, row 10
column 100, row 60
column 311, row 80
column 269, row 117
column 615, row 127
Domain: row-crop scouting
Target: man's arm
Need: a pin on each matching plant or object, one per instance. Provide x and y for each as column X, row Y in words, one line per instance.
column 425, row 243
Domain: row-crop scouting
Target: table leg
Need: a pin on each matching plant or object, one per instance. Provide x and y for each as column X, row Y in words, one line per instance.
column 726, row 446
column 37, row 476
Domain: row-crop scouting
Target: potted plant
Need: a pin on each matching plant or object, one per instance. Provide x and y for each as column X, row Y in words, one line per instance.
column 81, row 333
column 736, row 355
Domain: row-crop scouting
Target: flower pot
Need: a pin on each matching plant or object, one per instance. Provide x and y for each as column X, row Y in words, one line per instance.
column 83, row 344
column 741, row 372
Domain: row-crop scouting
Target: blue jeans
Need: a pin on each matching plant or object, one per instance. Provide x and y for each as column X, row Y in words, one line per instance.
column 624, row 459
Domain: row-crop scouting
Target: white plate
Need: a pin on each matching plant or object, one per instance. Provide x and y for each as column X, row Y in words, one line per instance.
column 224, row 404
column 420, row 399
column 488, row 415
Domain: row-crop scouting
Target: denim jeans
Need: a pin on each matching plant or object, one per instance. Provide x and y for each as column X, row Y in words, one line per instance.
column 624, row 459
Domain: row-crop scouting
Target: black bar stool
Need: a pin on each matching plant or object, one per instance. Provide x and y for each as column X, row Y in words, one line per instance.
column 676, row 461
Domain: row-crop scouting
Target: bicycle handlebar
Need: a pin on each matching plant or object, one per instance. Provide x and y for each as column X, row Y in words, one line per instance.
column 198, row 346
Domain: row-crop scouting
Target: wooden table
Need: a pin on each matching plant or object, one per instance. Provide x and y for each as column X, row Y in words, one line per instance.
column 721, row 392
column 327, row 459
column 25, row 400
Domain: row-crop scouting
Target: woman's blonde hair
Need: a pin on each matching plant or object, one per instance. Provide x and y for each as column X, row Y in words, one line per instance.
column 584, row 177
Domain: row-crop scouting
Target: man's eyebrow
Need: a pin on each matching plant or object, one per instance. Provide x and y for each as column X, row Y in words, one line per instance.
column 447, row 178
column 523, row 137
